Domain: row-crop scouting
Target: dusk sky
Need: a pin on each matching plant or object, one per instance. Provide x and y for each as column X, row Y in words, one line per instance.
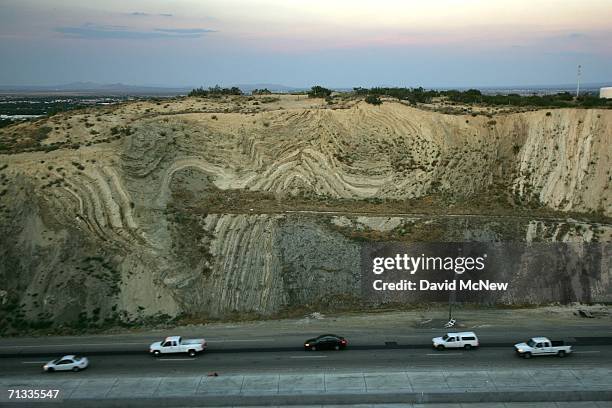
column 336, row 43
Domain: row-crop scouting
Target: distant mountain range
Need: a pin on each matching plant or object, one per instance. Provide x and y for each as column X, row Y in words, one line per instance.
column 93, row 89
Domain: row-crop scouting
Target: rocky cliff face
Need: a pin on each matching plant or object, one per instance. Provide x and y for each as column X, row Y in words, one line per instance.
column 142, row 210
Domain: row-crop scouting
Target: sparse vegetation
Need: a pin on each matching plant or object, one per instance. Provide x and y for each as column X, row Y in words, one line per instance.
column 215, row 91
column 269, row 99
column 78, row 166
column 475, row 96
column 29, row 140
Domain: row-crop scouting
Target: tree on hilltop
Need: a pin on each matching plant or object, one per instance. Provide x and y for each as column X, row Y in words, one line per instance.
column 319, row 92
column 264, row 91
column 215, row 91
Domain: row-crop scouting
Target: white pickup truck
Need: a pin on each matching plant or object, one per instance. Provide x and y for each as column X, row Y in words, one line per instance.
column 176, row 344
column 542, row 346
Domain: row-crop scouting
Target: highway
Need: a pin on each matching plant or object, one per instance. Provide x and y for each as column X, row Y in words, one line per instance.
column 235, row 349
column 301, row 361
column 265, row 363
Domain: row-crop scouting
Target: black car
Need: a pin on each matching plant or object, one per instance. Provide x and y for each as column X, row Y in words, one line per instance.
column 325, row 342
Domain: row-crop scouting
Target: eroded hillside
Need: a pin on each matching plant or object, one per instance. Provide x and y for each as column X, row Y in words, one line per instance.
column 256, row 206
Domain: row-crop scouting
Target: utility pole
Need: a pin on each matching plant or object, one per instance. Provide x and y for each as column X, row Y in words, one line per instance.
column 578, row 82
column 452, row 295
column 450, row 305
column 452, row 298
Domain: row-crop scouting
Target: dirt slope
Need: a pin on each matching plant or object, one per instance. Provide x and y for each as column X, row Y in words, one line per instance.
column 124, row 212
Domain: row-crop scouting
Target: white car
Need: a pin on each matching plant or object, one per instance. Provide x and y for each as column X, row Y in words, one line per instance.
column 176, row 344
column 67, row 363
column 464, row 340
column 542, row 346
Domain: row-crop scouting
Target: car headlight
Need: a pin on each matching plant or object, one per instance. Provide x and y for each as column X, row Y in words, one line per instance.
column 520, row 350
column 306, row 344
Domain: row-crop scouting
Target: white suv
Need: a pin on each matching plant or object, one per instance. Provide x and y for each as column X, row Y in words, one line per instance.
column 465, row 340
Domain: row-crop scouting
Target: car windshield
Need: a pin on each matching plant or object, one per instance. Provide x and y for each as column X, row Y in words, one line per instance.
column 445, row 337
column 57, row 360
column 531, row 343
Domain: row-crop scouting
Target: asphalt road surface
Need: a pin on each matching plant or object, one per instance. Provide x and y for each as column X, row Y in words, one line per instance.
column 302, row 361
column 261, row 338
column 278, row 347
column 247, row 351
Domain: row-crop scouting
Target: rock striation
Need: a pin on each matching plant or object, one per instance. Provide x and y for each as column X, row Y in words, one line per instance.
column 119, row 224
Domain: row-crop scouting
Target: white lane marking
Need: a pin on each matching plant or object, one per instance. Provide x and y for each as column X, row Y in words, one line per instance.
column 444, row 354
column 586, row 352
column 120, row 344
column 176, row 359
column 308, row 357
column 71, row 345
column 34, row 362
column 237, row 340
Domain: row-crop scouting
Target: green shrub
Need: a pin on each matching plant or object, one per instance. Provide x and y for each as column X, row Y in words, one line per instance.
column 41, row 133
column 264, row 91
column 319, row 92
column 373, row 100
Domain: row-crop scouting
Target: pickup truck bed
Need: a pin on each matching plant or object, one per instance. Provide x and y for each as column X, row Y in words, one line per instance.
column 542, row 346
column 176, row 344
column 192, row 341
